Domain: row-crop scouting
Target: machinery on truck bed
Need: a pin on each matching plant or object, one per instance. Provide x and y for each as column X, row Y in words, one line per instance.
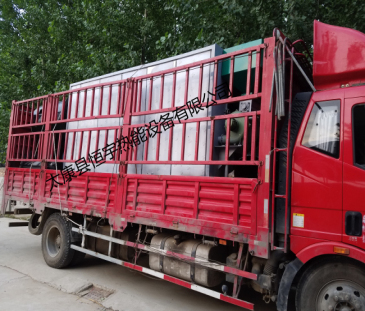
column 242, row 169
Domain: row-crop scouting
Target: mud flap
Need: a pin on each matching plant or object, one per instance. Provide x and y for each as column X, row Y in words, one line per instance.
column 290, row 272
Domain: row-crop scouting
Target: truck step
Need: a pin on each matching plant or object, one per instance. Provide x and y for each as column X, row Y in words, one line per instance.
column 280, row 196
column 18, row 224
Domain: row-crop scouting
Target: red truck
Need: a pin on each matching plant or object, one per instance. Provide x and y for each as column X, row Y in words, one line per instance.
column 278, row 205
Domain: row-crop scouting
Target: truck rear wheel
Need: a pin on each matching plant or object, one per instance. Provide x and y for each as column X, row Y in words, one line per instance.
column 56, row 242
column 336, row 285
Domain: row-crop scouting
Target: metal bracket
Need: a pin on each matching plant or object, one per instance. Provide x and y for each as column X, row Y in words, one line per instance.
column 162, row 247
column 258, row 183
column 192, row 266
column 234, row 230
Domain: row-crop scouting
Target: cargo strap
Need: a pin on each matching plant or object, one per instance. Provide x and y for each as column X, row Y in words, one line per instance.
column 162, row 247
column 192, row 266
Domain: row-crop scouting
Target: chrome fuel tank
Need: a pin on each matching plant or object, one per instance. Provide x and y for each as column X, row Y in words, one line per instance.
column 183, row 269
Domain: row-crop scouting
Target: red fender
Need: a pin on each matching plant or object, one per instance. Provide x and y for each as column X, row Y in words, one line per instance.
column 327, row 248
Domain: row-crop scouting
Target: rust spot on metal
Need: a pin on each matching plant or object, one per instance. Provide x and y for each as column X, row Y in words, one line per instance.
column 234, row 231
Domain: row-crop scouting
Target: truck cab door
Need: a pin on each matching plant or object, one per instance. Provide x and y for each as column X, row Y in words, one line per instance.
column 316, row 196
column 354, row 172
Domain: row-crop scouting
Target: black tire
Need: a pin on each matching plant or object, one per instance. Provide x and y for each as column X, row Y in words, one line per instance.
column 34, row 225
column 336, row 284
column 77, row 259
column 56, row 242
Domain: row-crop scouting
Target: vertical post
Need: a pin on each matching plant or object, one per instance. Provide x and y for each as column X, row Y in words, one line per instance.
column 28, row 146
column 238, row 263
column 139, row 96
column 101, row 100
column 244, row 142
column 231, row 76
column 200, row 82
column 110, row 242
column 228, row 130
column 288, row 149
column 83, row 233
column 63, row 107
column 253, row 140
column 21, row 114
column 197, row 141
column 124, row 131
column 248, row 82
column 134, row 95
column 37, row 112
column 73, row 144
column 59, row 145
column 46, row 113
column 257, row 71
column 122, row 101
column 183, row 142
column 69, row 105
column 34, row 147
column 211, row 147
column 215, row 79
column 119, row 110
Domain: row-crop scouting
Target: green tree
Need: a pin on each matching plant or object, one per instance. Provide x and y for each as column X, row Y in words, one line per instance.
column 46, row 45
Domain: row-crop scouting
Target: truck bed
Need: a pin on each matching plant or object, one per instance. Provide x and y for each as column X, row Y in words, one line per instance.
column 229, row 208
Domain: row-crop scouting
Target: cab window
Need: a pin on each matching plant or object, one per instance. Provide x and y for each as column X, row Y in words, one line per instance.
column 323, row 129
column 358, row 134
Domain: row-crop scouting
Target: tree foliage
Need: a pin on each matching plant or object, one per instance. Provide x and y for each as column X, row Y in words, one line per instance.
column 46, row 45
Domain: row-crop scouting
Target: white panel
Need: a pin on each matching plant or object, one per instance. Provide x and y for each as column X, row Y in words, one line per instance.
column 196, row 170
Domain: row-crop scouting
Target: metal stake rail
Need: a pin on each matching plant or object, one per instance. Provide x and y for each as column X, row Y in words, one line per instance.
column 194, row 287
column 168, row 253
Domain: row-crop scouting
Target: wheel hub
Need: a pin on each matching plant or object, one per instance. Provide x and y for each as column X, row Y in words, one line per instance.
column 54, row 241
column 341, row 295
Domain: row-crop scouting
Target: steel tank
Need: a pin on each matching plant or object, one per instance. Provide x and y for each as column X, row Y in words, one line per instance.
column 183, row 269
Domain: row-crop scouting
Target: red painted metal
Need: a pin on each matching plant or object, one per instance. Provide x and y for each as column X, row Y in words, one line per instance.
column 327, row 248
column 236, row 209
column 312, row 173
column 353, row 175
column 338, row 56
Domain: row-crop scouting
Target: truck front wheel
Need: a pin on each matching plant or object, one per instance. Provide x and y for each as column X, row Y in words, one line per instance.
column 336, row 285
column 56, row 242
